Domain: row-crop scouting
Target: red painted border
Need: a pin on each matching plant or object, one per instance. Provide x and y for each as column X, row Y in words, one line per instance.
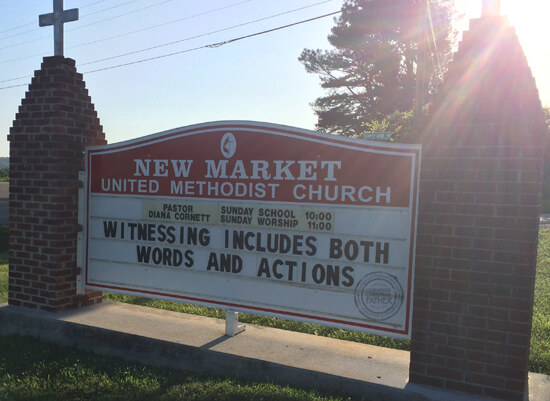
column 413, row 151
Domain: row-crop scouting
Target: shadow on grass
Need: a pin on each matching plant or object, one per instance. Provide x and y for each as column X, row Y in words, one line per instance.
column 32, row 370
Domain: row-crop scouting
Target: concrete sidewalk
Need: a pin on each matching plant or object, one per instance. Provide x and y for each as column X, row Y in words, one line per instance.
column 193, row 343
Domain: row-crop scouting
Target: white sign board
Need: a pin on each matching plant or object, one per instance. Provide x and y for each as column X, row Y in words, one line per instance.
column 258, row 218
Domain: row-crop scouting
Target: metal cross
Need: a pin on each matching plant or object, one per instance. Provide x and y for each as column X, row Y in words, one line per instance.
column 57, row 19
column 490, row 8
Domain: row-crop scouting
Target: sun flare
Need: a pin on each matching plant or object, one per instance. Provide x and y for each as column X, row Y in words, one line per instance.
column 530, row 18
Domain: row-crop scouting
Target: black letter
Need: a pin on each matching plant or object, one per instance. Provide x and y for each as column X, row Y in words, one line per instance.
column 264, row 268
column 143, row 253
column 109, row 227
column 346, row 273
column 335, row 251
column 382, row 252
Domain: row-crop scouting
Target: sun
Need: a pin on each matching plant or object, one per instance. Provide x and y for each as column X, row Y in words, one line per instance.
column 530, row 18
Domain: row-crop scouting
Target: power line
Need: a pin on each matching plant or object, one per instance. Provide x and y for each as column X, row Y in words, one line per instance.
column 81, row 17
column 219, row 44
column 203, row 34
column 111, row 8
column 13, row 28
column 91, row 5
column 15, row 79
column 212, row 45
column 12, row 86
column 161, row 25
column 16, row 27
column 131, row 32
column 440, row 70
column 118, row 16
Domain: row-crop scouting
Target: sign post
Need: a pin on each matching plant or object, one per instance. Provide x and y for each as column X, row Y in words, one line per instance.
column 258, row 218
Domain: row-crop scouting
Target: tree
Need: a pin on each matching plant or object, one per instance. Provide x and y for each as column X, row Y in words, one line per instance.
column 371, row 73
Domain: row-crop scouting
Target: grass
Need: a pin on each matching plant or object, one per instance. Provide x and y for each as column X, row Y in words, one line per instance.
column 3, row 264
column 31, row 370
column 539, row 360
column 266, row 321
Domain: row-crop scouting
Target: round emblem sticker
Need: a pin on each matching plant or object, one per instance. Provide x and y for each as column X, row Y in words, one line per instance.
column 228, row 145
column 378, row 296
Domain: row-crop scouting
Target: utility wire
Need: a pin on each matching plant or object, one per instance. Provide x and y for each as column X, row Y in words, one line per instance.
column 15, row 79
column 118, row 16
column 440, row 70
column 131, row 32
column 161, row 25
column 429, row 42
column 16, row 27
column 91, row 5
column 226, row 42
column 112, row 8
column 34, row 22
column 213, row 45
column 80, row 17
column 203, row 34
column 13, row 86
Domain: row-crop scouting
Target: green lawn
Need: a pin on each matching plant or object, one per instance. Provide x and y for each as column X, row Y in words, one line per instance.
column 539, row 360
column 3, row 264
column 291, row 325
column 31, row 370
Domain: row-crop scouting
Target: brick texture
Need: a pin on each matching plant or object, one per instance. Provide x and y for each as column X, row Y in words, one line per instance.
column 55, row 122
column 480, row 194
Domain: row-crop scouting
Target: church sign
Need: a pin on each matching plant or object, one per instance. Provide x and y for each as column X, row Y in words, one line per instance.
column 257, row 218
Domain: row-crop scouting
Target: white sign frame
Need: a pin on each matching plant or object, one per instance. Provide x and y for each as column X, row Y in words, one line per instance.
column 386, row 261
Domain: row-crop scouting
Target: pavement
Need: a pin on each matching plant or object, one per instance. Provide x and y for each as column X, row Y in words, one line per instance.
column 194, row 343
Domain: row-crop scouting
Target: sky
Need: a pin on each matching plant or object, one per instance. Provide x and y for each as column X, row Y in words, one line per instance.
column 259, row 78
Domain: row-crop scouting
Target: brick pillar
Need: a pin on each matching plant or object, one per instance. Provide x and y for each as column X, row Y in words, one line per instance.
column 56, row 120
column 480, row 195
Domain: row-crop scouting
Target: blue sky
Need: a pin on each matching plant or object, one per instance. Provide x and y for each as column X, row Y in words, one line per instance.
column 259, row 78
column 254, row 79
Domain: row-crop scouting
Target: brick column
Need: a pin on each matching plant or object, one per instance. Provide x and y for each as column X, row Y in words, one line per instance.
column 480, row 196
column 56, row 120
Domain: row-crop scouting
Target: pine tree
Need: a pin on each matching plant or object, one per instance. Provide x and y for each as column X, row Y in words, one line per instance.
column 371, row 72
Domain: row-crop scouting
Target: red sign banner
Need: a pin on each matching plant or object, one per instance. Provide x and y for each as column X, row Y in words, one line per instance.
column 260, row 218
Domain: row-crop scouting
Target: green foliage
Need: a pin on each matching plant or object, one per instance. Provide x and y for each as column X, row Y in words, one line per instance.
column 540, row 338
column 4, row 174
column 3, row 264
column 539, row 359
column 371, row 72
column 399, row 123
column 265, row 321
column 31, row 370
column 3, row 282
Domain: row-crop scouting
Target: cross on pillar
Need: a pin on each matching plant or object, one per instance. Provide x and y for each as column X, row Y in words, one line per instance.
column 490, row 8
column 57, row 19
